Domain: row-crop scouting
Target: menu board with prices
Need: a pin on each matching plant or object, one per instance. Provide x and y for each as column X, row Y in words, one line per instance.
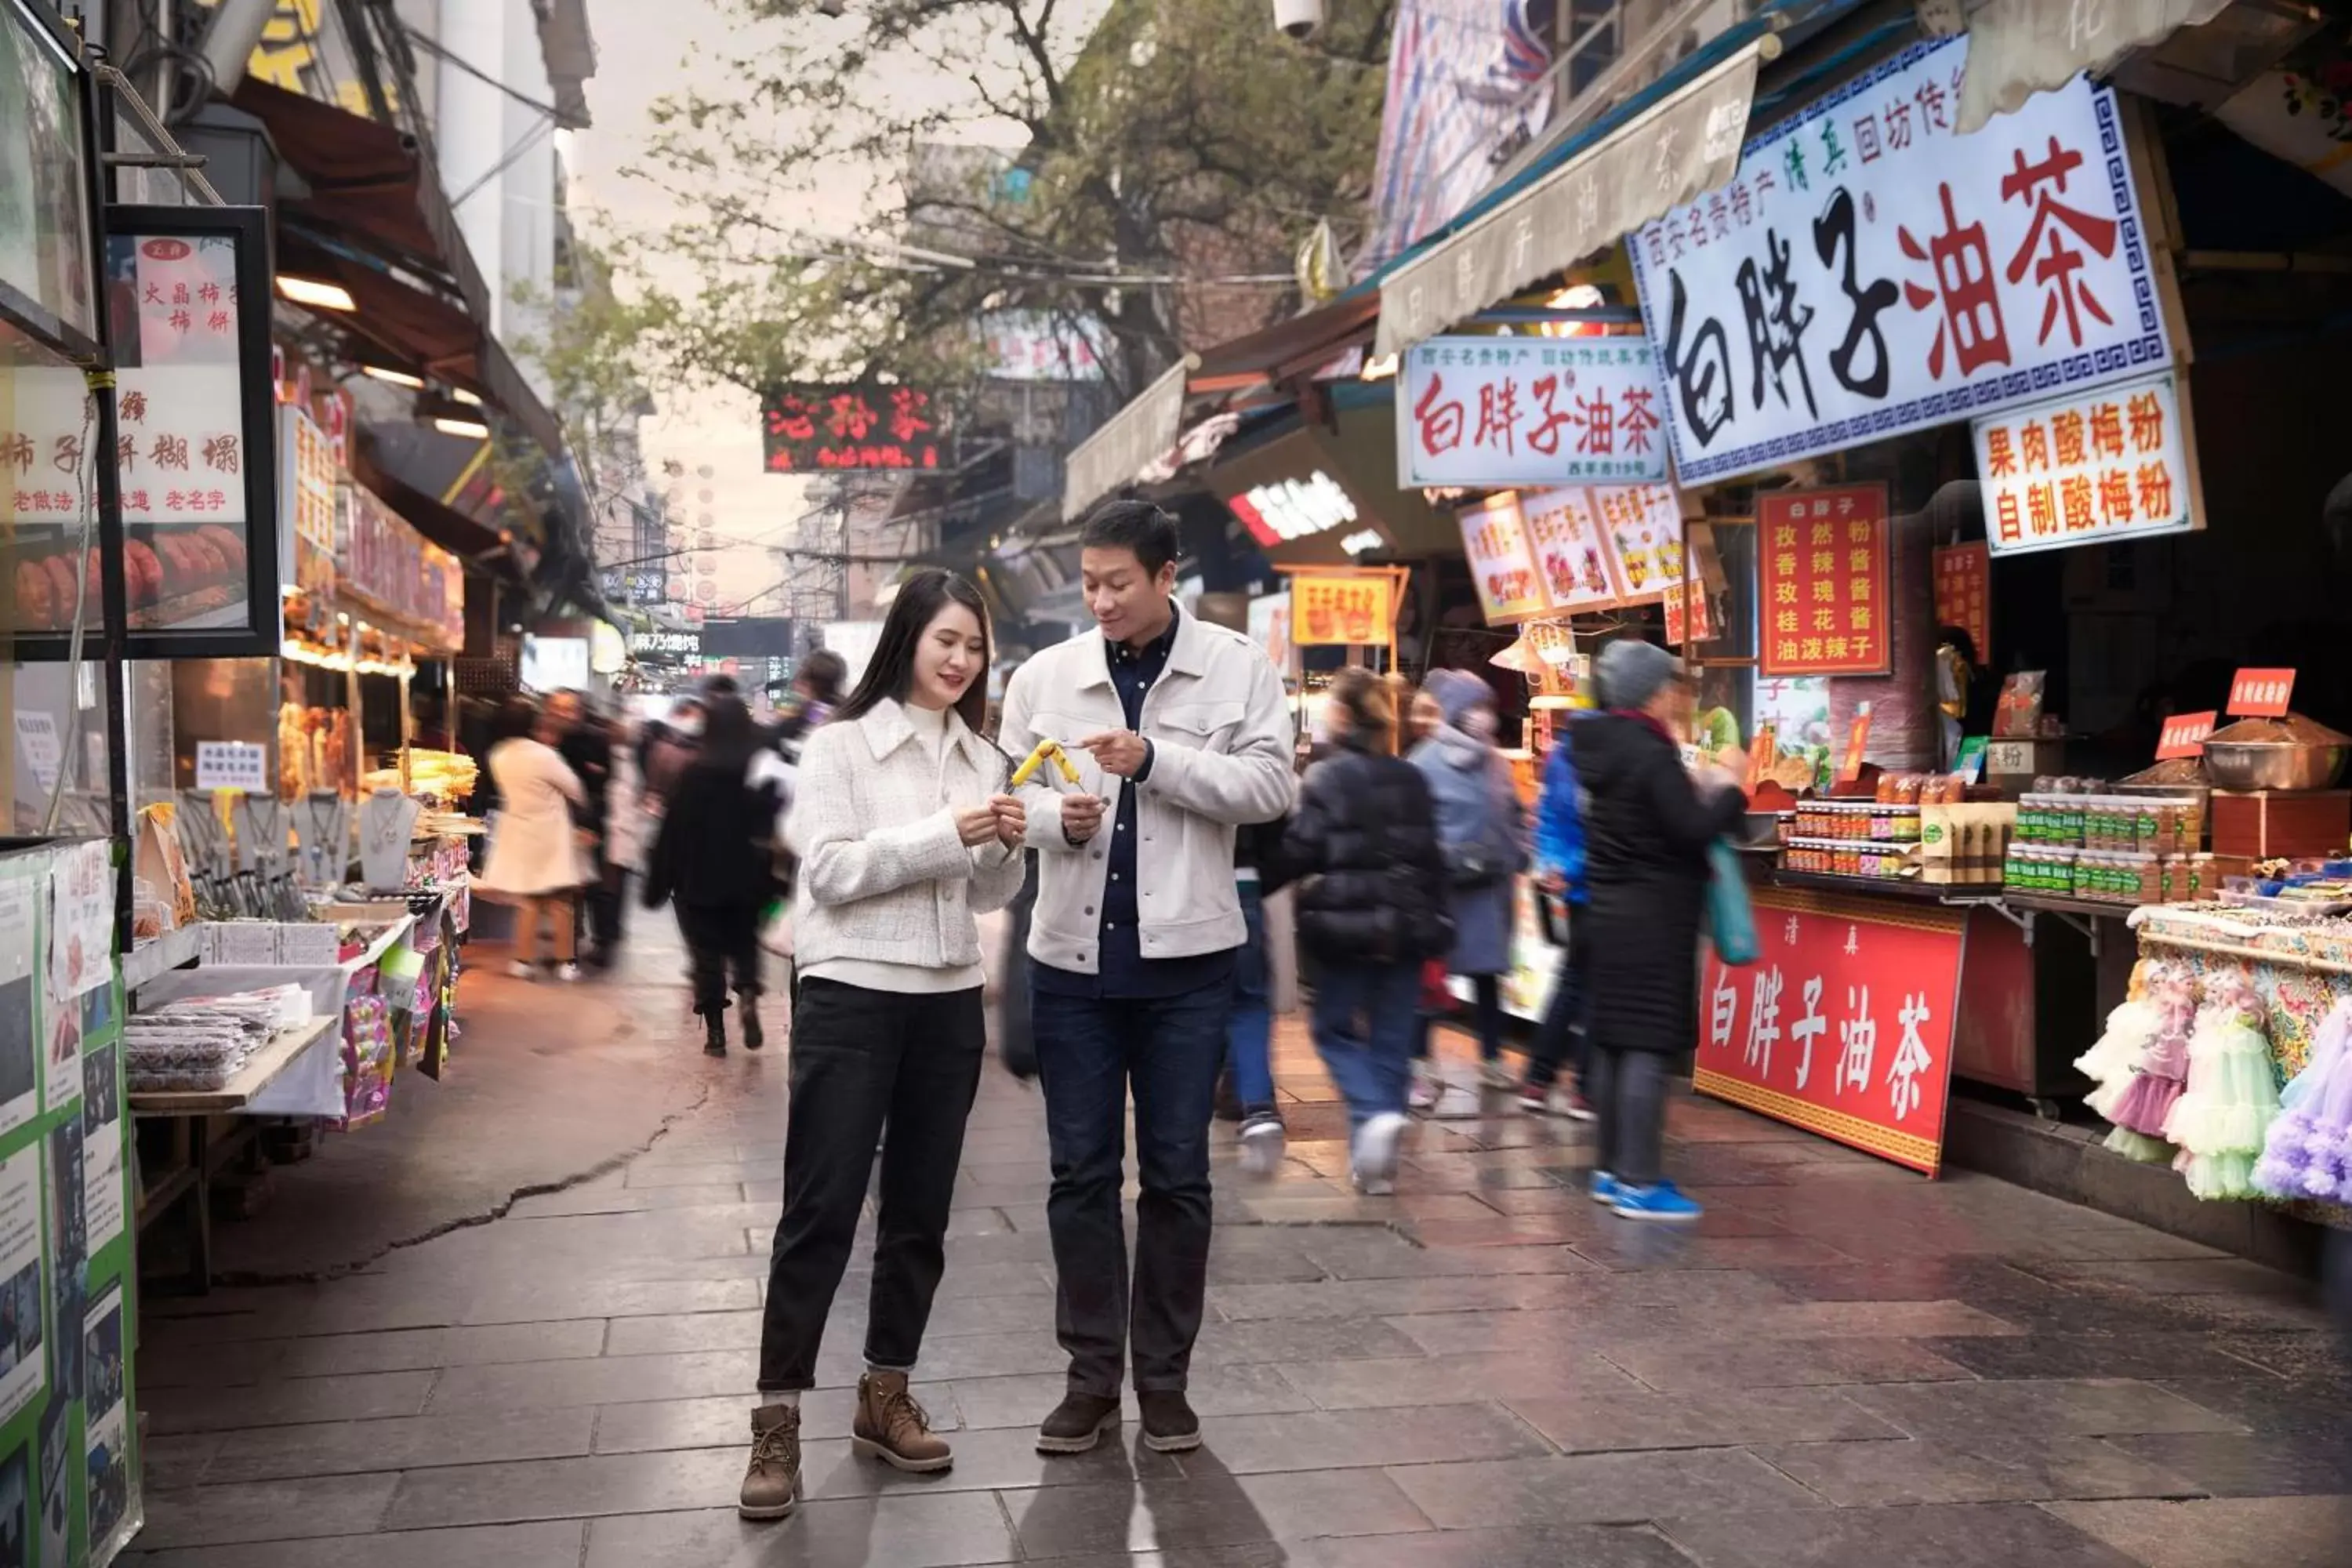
column 306, row 499
column 385, row 561
column 1822, row 581
column 1575, row 554
column 1342, row 612
column 1644, row 523
column 2110, row 463
column 1964, row 594
column 1496, row 540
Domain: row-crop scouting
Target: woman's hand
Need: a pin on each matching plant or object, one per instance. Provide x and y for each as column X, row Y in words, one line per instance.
column 1011, row 820
column 976, row 825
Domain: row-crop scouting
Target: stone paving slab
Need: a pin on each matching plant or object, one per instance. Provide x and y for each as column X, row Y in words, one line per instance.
column 1842, row 1367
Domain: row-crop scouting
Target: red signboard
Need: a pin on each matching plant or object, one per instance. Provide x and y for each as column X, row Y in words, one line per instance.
column 2184, row 735
column 1822, row 581
column 1964, row 594
column 2261, row 693
column 1843, row 1026
column 827, row 429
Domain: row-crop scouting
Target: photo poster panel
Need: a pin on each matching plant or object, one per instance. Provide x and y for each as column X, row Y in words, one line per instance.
column 68, row 1464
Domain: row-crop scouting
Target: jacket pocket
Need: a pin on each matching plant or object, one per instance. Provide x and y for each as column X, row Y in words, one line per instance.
column 1203, row 726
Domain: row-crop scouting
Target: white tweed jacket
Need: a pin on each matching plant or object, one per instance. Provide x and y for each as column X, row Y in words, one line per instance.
column 884, row 875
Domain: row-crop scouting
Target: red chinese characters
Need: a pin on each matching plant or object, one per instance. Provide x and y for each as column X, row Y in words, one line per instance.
column 1822, row 581
column 1963, row 576
column 2107, row 461
column 1842, row 1027
column 832, row 428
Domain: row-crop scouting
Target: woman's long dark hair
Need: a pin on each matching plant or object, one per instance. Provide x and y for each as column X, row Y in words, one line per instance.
column 890, row 673
column 728, row 736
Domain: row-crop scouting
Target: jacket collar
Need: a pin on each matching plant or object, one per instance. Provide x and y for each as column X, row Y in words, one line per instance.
column 1188, row 651
column 887, row 728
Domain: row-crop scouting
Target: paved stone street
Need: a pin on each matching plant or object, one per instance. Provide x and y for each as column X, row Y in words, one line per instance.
column 1842, row 1364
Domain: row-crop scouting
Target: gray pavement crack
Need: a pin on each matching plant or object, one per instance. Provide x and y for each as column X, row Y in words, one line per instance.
column 255, row 1279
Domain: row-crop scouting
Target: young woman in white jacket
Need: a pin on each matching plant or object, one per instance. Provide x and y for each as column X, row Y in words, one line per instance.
column 905, row 832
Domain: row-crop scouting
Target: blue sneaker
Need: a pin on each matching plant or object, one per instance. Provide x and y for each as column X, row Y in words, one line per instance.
column 1604, row 1187
column 1664, row 1203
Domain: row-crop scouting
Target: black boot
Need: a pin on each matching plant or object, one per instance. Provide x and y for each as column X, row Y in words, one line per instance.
column 754, row 1037
column 714, row 1037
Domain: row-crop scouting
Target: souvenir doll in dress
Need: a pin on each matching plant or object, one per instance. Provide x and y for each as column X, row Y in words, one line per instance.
column 2131, row 1028
column 2141, row 1111
column 2221, row 1118
column 2309, row 1150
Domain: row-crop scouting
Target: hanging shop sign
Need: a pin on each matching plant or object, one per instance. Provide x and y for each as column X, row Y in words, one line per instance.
column 1869, row 271
column 306, row 502
column 45, row 279
column 383, row 561
column 1482, row 412
column 664, row 647
column 1574, row 551
column 196, row 450
column 1041, row 345
column 1341, row 611
column 1644, row 523
column 1843, row 1026
column 1688, row 616
column 1963, row 574
column 866, row 426
column 1269, row 627
column 2107, row 464
column 1501, row 554
column 1822, row 581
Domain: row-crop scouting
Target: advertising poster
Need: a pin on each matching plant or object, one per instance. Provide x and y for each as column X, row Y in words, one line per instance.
column 1822, row 581
column 81, row 919
column 19, row 1018
column 107, row 1418
column 59, row 1173
column 1495, row 541
column 22, row 1366
column 1577, row 555
column 1843, row 1026
column 101, row 1142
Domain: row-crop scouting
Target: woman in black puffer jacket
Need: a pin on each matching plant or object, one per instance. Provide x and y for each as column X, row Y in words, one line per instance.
column 1362, row 848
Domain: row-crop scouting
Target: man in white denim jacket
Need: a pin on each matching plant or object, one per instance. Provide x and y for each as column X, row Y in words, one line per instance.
column 1180, row 734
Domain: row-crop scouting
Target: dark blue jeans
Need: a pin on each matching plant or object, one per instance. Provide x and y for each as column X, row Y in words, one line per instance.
column 1249, row 1038
column 1563, row 1034
column 1090, row 1055
column 1365, row 1026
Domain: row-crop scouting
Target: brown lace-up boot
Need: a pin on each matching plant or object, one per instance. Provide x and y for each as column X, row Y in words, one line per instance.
column 891, row 1426
column 772, row 1484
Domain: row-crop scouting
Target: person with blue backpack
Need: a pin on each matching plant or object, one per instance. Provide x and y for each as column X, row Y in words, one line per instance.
column 1649, row 824
column 1560, row 877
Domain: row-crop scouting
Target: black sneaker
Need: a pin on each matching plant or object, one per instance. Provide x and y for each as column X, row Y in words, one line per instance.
column 1168, row 1425
column 1076, row 1424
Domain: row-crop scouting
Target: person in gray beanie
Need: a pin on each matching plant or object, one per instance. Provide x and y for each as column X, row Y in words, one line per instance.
column 1481, row 833
column 1647, row 827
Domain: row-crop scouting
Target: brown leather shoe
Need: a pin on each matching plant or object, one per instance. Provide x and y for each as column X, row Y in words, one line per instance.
column 892, row 1427
column 772, row 1484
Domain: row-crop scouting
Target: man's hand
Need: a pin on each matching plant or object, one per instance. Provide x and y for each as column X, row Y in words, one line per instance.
column 1119, row 752
column 1082, row 816
column 1011, row 820
column 977, row 826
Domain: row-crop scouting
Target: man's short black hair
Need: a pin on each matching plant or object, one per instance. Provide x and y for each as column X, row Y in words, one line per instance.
column 822, row 671
column 716, row 685
column 1136, row 525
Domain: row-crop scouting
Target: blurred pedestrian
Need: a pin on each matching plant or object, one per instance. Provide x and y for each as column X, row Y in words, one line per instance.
column 537, row 858
column 1423, row 718
column 587, row 749
column 809, row 700
column 712, row 860
column 1258, row 874
column 1647, row 827
column 1482, row 828
column 904, row 836
column 1561, row 880
column 1373, row 907
column 1179, row 736
column 665, row 748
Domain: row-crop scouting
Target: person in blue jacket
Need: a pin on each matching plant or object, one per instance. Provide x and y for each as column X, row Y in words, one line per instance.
column 1560, row 877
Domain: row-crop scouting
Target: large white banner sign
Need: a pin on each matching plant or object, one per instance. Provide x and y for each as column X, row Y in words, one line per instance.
column 1868, row 271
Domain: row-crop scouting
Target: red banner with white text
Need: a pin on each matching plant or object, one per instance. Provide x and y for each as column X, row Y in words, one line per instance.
column 1843, row 1026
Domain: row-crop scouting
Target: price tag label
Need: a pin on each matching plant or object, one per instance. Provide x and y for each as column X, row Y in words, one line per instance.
column 2261, row 693
column 37, row 745
column 1856, row 743
column 2184, row 734
column 232, row 764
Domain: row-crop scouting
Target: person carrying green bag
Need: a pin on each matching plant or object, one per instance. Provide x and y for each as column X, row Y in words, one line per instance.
column 1649, row 829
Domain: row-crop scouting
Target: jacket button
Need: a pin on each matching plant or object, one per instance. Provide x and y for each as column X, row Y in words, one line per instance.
column 1090, row 908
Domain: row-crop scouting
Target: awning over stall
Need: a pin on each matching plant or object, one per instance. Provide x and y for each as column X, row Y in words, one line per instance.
column 2019, row 47
column 1130, row 438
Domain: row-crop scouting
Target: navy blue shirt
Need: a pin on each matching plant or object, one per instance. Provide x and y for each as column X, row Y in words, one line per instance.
column 1125, row 973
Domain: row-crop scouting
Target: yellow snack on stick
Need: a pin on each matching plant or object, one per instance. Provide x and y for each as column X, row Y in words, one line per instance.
column 1029, row 764
column 1062, row 761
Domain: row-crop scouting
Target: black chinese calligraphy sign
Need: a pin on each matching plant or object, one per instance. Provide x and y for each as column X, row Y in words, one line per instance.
column 1869, row 271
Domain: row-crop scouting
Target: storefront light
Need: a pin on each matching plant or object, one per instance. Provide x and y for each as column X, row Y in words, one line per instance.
column 1379, row 368
column 466, row 398
column 1362, row 540
column 384, row 372
column 316, row 293
column 1294, row 509
column 467, row 429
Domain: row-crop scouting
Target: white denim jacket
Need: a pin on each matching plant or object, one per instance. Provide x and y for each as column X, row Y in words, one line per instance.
column 1221, row 743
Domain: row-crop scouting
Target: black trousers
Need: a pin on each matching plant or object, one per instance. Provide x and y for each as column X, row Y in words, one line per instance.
column 607, row 900
column 1563, row 1033
column 861, row 1061
column 720, row 939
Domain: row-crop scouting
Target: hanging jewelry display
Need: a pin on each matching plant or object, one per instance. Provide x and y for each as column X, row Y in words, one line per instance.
column 387, row 817
column 205, row 844
column 322, row 824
